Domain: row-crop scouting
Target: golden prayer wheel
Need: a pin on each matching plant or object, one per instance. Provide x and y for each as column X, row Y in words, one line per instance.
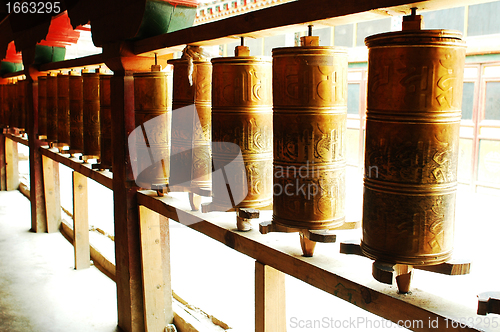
column 181, row 159
column 51, row 107
column 3, row 121
column 42, row 107
column 63, row 114
column 13, row 106
column 412, row 137
column 105, row 120
column 91, row 108
column 201, row 170
column 310, row 111
column 76, row 112
column 21, row 104
column 242, row 121
column 153, row 113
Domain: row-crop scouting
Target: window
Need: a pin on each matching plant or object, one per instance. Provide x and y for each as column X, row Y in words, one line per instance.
column 343, row 35
column 369, row 28
column 445, row 19
column 467, row 101
column 492, row 102
column 353, row 98
column 483, row 19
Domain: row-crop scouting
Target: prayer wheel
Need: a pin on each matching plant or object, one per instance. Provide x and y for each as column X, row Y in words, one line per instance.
column 412, row 135
column 91, row 109
column 63, row 113
column 201, row 171
column 3, row 122
column 76, row 112
column 181, row 159
column 242, row 123
column 21, row 104
column 42, row 107
column 105, row 121
column 51, row 106
column 310, row 112
column 153, row 113
column 13, row 106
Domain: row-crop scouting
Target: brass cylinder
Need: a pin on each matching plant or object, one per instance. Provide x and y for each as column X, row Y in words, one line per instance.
column 181, row 159
column 153, row 113
column 76, row 112
column 21, row 104
column 51, row 103
column 13, row 106
column 310, row 111
column 3, row 120
column 105, row 119
column 63, row 116
column 412, row 135
column 42, row 105
column 242, row 115
column 201, row 170
column 91, row 120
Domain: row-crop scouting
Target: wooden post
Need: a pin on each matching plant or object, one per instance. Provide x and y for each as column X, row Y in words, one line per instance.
column 155, row 250
column 12, row 165
column 3, row 185
column 270, row 310
column 129, row 287
column 81, row 221
column 37, row 194
column 52, row 194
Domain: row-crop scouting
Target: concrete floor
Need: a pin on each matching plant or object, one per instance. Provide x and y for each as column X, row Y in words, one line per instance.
column 39, row 288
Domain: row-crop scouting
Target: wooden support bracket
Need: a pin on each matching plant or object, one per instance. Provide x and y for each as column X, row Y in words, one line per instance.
column 52, row 193
column 11, row 165
column 488, row 303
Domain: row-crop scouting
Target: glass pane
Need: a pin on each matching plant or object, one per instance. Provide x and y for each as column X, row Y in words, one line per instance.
column 325, row 36
column 452, row 18
column 272, row 42
column 467, row 101
column 489, row 162
column 369, row 28
column 343, row 35
column 483, row 19
column 492, row 104
column 353, row 98
column 464, row 160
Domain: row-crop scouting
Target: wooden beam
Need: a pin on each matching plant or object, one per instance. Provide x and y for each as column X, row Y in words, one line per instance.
column 52, row 194
column 105, row 178
column 11, row 165
column 81, row 221
column 270, row 310
column 156, row 280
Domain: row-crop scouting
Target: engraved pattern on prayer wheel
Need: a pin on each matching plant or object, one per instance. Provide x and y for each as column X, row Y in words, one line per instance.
column 91, row 109
column 242, row 115
column 51, row 103
column 63, row 116
column 42, row 105
column 412, row 135
column 201, row 171
column 310, row 111
column 105, row 120
column 153, row 113
column 76, row 111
